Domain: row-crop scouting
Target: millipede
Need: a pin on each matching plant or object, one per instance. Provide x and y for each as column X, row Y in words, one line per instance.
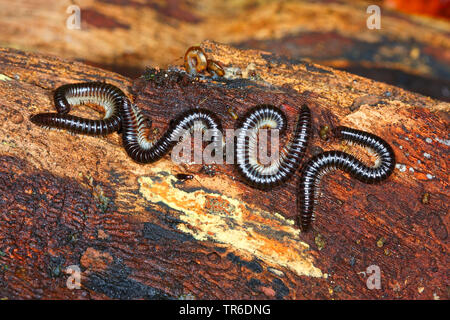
column 143, row 150
column 327, row 161
column 123, row 116
column 195, row 62
column 268, row 176
column 66, row 96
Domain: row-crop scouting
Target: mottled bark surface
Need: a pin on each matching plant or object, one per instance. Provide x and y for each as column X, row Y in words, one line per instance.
column 138, row 232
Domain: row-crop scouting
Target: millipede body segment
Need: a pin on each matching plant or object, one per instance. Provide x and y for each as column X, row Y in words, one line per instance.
column 328, row 161
column 105, row 95
column 279, row 171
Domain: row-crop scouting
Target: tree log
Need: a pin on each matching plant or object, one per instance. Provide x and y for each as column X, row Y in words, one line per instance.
column 135, row 231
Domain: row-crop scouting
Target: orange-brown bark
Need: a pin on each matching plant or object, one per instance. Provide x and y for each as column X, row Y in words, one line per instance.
column 138, row 232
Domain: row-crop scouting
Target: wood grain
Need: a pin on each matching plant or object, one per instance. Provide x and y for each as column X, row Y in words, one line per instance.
column 138, row 232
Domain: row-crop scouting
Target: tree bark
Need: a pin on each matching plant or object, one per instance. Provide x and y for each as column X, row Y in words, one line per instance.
column 135, row 231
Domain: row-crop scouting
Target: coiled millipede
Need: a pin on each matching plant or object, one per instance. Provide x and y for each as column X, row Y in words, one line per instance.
column 279, row 171
column 327, row 161
column 195, row 62
column 102, row 94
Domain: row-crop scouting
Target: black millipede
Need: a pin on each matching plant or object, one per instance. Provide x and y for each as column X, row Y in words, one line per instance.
column 105, row 95
column 279, row 171
column 142, row 150
column 327, row 161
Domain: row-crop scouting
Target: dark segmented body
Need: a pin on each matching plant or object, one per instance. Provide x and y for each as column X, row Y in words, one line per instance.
column 266, row 177
column 105, row 95
column 142, row 150
column 327, row 161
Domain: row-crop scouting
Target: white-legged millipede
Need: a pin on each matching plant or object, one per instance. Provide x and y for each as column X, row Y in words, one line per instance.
column 327, row 161
column 122, row 115
column 279, row 171
column 142, row 150
column 102, row 94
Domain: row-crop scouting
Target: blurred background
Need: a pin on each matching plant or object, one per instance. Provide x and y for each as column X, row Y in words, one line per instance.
column 410, row 50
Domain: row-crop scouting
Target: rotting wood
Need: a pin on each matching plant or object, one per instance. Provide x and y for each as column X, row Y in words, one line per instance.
column 138, row 232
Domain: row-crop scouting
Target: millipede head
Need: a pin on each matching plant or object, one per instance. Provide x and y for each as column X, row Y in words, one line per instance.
column 41, row 119
column 337, row 132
